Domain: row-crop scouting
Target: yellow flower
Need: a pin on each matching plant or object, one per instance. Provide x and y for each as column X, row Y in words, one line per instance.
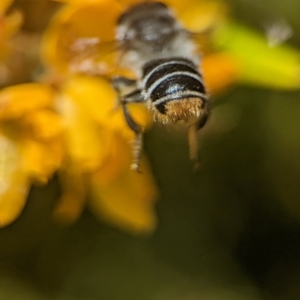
column 69, row 131
column 31, row 145
column 97, row 137
column 78, row 130
column 99, row 156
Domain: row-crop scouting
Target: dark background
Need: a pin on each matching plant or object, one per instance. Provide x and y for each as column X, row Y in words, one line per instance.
column 229, row 231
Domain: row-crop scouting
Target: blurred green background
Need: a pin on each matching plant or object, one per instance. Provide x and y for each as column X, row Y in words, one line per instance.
column 228, row 231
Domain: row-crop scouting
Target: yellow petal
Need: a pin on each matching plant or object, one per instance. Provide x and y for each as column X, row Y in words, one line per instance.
column 116, row 163
column 72, row 201
column 14, row 183
column 41, row 160
column 94, row 95
column 180, row 6
column 4, row 4
column 17, row 100
column 203, row 15
column 220, row 71
column 43, row 125
column 80, row 2
column 76, row 41
column 11, row 24
column 141, row 115
column 173, row 4
column 128, row 202
column 87, row 143
column 127, row 3
column 97, row 98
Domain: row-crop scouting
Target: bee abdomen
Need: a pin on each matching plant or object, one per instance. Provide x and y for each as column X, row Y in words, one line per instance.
column 166, row 80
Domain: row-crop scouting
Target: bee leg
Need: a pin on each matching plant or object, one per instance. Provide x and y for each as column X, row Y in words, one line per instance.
column 193, row 138
column 138, row 141
column 129, row 93
column 134, row 97
column 122, row 85
column 120, row 82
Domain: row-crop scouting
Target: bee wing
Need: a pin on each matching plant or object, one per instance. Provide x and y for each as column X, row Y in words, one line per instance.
column 91, row 56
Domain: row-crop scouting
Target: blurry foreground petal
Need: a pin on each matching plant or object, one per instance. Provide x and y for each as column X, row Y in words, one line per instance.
column 14, row 183
column 116, row 162
column 4, row 4
column 220, row 71
column 87, row 143
column 140, row 114
column 94, row 95
column 203, row 15
column 176, row 5
column 260, row 64
column 43, row 125
column 73, row 199
column 17, row 100
column 41, row 160
column 11, row 24
column 127, row 3
column 72, row 40
column 127, row 202
column 89, row 107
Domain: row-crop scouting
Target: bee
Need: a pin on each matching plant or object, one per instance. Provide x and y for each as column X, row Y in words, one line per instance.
column 163, row 55
column 165, row 59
